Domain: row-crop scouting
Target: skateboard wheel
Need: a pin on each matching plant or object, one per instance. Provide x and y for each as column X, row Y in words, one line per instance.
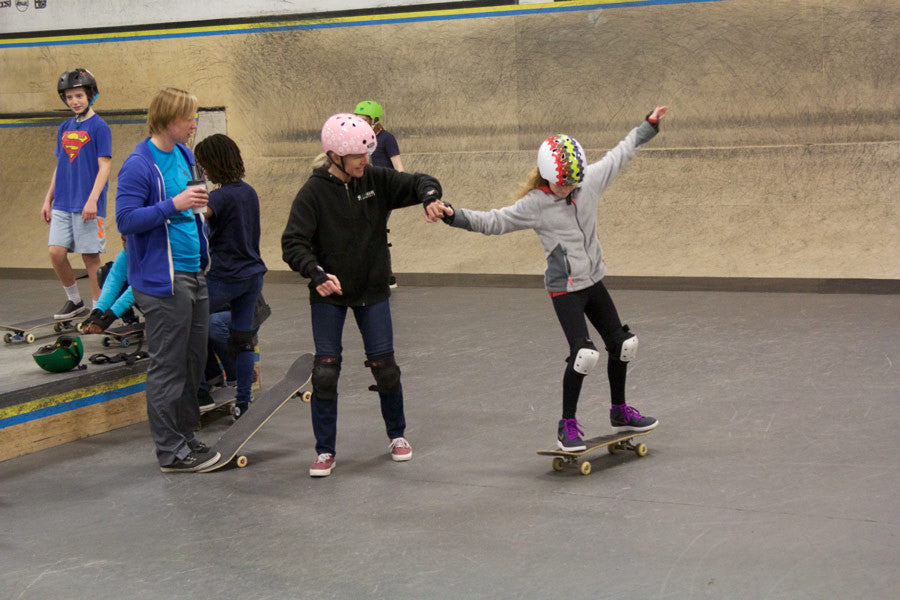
column 235, row 411
column 29, row 338
column 585, row 468
column 241, row 461
column 558, row 463
column 641, row 449
column 57, row 327
column 105, row 342
column 78, row 328
column 7, row 337
column 126, row 342
column 307, row 396
column 614, row 448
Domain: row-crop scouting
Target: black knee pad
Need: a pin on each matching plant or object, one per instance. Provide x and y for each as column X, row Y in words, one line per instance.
column 623, row 344
column 239, row 341
column 386, row 373
column 325, row 374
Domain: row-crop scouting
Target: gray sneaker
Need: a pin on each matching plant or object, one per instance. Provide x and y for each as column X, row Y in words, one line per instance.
column 626, row 418
column 568, row 436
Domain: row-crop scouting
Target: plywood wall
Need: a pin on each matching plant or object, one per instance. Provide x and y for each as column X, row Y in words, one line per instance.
column 778, row 158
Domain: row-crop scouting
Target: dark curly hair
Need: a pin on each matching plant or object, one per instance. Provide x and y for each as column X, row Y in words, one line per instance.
column 220, row 157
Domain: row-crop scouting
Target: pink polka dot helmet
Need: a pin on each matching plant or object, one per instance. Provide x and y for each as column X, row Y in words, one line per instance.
column 345, row 134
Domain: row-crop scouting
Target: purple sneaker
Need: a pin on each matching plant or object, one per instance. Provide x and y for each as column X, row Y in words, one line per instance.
column 568, row 436
column 625, row 418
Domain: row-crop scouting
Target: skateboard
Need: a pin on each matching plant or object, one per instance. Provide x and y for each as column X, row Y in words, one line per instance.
column 261, row 410
column 614, row 443
column 25, row 331
column 222, row 398
column 124, row 335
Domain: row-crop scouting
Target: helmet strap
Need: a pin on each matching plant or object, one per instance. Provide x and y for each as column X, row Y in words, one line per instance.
column 339, row 166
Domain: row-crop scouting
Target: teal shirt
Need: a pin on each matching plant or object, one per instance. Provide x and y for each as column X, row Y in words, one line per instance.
column 183, row 237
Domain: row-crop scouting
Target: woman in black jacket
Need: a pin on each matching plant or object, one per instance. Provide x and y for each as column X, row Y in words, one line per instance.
column 336, row 237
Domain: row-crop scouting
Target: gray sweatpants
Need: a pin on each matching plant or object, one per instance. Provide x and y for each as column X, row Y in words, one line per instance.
column 176, row 333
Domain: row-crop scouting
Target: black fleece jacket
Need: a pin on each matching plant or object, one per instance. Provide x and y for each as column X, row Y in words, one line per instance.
column 340, row 228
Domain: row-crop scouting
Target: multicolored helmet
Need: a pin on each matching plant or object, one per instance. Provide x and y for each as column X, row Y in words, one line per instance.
column 345, row 134
column 561, row 160
column 74, row 79
column 370, row 108
column 61, row 356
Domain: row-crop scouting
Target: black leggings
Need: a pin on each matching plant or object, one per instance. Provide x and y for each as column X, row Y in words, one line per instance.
column 571, row 309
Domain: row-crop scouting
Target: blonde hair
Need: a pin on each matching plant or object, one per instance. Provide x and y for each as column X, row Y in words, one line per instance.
column 533, row 182
column 321, row 160
column 168, row 105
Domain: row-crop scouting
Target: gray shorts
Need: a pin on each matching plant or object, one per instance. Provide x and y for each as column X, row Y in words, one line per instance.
column 69, row 231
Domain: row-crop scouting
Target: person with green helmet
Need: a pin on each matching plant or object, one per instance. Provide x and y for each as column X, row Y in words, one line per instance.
column 386, row 153
column 559, row 201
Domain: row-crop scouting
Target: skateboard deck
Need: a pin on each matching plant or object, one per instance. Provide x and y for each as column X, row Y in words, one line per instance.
column 614, row 442
column 125, row 335
column 261, row 410
column 26, row 330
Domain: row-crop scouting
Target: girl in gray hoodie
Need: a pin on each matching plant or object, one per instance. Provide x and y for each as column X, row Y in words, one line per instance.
column 559, row 201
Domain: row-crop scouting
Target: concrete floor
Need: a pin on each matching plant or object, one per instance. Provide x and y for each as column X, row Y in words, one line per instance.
column 773, row 473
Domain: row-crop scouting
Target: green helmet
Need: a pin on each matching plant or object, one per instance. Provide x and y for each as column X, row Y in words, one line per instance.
column 370, row 108
column 61, row 356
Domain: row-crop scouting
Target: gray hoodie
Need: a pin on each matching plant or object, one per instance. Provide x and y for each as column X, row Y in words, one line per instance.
column 568, row 230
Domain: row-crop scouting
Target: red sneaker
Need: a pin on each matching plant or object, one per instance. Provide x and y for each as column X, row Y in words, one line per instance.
column 323, row 466
column 400, row 449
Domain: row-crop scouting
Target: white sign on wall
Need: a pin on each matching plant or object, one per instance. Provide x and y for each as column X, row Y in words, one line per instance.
column 33, row 16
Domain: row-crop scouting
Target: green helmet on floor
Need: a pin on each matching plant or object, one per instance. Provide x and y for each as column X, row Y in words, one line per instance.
column 61, row 356
column 369, row 108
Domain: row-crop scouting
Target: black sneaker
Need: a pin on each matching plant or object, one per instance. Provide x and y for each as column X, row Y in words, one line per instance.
column 392, row 282
column 71, row 309
column 239, row 409
column 192, row 463
column 568, row 436
column 205, row 400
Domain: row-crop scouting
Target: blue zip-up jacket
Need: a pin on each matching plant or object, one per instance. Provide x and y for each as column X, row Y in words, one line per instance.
column 142, row 214
column 116, row 294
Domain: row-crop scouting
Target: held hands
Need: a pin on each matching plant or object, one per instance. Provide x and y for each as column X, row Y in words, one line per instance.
column 193, row 197
column 437, row 210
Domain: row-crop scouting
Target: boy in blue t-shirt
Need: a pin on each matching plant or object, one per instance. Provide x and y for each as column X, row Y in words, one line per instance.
column 75, row 204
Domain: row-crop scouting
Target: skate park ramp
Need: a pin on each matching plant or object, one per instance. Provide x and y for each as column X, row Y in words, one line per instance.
column 777, row 159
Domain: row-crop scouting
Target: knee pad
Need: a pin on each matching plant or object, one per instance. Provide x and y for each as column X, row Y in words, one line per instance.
column 623, row 344
column 325, row 373
column 585, row 359
column 386, row 373
column 239, row 341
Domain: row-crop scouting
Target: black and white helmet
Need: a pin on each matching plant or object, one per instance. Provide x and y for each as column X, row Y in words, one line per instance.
column 77, row 78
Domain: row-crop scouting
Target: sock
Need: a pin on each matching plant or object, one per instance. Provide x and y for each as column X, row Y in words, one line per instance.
column 72, row 293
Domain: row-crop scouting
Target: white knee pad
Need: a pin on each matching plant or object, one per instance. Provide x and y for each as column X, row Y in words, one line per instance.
column 585, row 360
column 629, row 349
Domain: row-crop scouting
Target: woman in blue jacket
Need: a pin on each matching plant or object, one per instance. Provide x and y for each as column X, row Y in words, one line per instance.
column 167, row 255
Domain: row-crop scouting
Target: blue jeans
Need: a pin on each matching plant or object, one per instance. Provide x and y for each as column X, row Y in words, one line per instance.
column 217, row 350
column 377, row 331
column 241, row 297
